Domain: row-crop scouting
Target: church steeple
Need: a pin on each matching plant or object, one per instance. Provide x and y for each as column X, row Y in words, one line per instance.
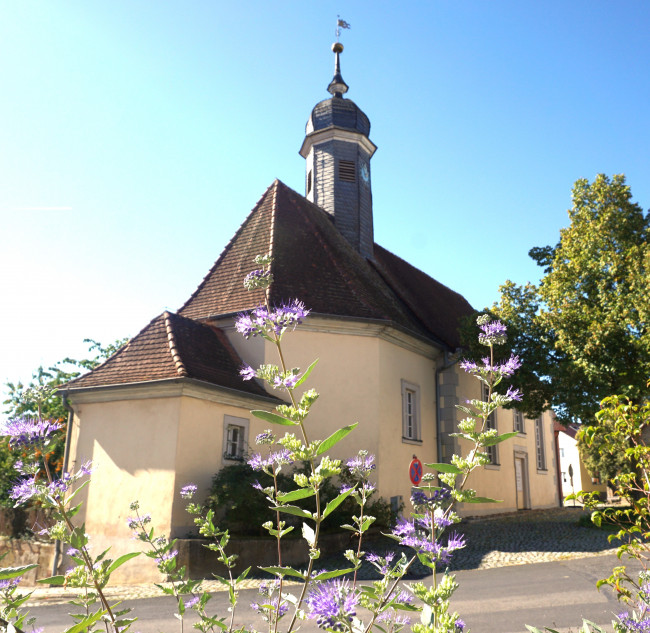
column 338, row 150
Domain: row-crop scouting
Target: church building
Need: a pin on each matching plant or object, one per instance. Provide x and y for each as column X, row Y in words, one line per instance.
column 171, row 407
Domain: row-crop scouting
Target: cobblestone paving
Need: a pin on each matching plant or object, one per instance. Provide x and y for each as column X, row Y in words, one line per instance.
column 513, row 539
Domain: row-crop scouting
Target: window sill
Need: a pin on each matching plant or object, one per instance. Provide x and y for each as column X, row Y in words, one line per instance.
column 542, row 471
column 233, row 458
column 492, row 466
column 409, row 440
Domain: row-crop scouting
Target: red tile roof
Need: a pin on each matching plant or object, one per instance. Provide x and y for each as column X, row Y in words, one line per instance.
column 312, row 262
column 315, row 263
column 172, row 346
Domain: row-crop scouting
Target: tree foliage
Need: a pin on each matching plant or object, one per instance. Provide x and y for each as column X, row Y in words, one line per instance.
column 583, row 331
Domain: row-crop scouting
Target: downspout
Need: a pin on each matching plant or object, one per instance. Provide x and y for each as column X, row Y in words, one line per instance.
column 449, row 360
column 66, row 457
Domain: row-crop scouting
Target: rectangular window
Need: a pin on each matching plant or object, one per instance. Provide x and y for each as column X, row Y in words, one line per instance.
column 491, row 451
column 518, row 418
column 539, row 444
column 347, row 171
column 309, row 182
column 411, row 412
column 235, row 438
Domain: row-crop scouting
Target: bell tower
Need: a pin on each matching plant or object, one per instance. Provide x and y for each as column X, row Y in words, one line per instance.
column 337, row 149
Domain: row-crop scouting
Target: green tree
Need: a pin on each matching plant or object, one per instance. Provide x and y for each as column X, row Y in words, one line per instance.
column 583, row 331
column 40, row 396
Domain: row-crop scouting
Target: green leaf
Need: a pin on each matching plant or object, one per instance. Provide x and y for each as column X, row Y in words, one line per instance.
column 326, row 575
column 483, row 500
column 336, row 502
column 274, row 418
column 299, row 512
column 284, row 571
column 294, row 495
column 121, row 560
column 497, row 439
column 335, row 438
column 52, row 580
column 306, row 374
column 86, row 622
column 13, row 572
column 445, row 468
column 243, row 575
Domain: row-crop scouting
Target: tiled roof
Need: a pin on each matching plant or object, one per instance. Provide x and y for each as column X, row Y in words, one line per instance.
column 312, row 262
column 438, row 307
column 172, row 346
column 315, row 263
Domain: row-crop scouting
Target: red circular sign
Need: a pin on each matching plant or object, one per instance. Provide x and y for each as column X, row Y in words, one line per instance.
column 415, row 471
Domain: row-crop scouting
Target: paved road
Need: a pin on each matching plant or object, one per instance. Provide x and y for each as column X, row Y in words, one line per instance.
column 499, row 600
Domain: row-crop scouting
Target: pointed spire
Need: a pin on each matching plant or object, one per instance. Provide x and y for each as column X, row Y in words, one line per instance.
column 337, row 86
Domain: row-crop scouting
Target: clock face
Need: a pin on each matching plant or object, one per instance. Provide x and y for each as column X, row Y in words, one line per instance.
column 365, row 174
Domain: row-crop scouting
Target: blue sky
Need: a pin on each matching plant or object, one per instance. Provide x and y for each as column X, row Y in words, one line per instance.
column 137, row 135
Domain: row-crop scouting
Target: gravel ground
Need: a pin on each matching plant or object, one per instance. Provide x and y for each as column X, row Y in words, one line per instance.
column 519, row 538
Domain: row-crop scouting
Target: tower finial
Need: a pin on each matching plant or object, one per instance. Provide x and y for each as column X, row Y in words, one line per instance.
column 337, row 86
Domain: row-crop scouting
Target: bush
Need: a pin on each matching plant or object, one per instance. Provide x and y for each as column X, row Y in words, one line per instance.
column 242, row 509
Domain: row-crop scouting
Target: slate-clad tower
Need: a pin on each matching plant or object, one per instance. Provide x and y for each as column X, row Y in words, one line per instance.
column 338, row 150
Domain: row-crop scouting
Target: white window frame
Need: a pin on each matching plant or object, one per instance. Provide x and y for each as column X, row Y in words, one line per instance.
column 411, row 426
column 518, row 423
column 491, row 451
column 540, row 449
column 237, row 427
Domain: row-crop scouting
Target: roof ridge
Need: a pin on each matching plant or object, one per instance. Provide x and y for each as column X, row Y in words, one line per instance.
column 171, row 338
column 229, row 245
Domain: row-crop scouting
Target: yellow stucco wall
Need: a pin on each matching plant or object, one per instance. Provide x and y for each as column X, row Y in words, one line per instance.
column 539, row 489
column 150, row 441
column 132, row 444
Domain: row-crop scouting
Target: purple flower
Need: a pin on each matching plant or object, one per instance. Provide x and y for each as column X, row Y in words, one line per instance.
column 344, row 488
column 257, row 279
column 469, row 366
column 27, row 431
column 59, row 487
column 269, row 607
column 333, row 604
column 188, row 491
column 492, row 333
column 9, row 584
column 514, row 394
column 192, row 602
column 267, row 437
column 166, row 556
column 247, row 372
column 362, row 464
column 510, row 366
column 403, row 527
column 86, row 468
column 262, row 322
column 278, row 458
column 459, row 626
column 24, row 490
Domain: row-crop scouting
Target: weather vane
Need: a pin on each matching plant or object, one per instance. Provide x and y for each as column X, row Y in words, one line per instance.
column 340, row 24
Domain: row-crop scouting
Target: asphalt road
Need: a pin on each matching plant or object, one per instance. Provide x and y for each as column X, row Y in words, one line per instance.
column 503, row 600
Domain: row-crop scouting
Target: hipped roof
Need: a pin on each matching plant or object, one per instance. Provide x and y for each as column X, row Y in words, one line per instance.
column 312, row 262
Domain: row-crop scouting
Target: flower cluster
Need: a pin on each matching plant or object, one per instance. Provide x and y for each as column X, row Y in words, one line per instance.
column 263, row 321
column 273, row 460
column 333, row 604
column 492, row 332
column 362, row 464
column 28, row 431
column 418, row 534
